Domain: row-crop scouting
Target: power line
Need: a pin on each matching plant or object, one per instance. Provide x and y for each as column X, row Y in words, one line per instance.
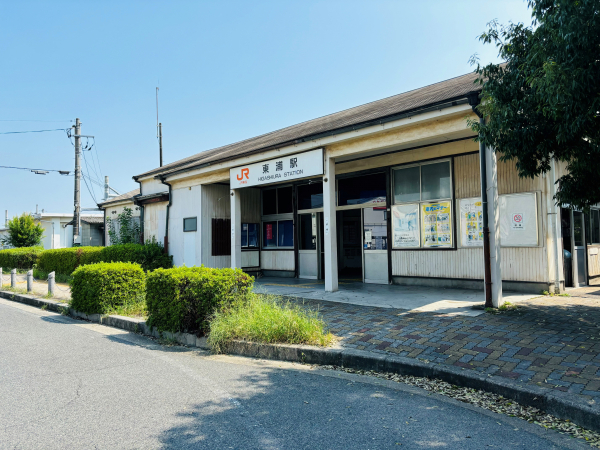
column 36, row 131
column 47, row 121
column 62, row 172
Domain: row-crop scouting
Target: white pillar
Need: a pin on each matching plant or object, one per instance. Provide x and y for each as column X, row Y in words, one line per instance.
column 554, row 234
column 236, row 229
column 491, row 165
column 329, row 222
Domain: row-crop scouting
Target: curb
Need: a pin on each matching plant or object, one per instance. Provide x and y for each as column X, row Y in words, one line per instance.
column 560, row 404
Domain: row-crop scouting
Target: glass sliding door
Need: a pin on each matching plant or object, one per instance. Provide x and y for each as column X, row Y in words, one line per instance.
column 375, row 246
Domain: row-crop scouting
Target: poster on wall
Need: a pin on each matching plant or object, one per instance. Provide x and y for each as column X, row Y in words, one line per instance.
column 518, row 220
column 471, row 222
column 436, row 224
column 405, row 225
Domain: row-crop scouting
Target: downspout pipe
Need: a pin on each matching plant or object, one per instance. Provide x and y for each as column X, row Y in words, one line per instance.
column 139, row 205
column 162, row 180
column 474, row 101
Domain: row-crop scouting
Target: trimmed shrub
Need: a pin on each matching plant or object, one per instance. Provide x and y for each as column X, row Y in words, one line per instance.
column 185, row 298
column 103, row 287
column 20, row 258
column 66, row 260
column 150, row 256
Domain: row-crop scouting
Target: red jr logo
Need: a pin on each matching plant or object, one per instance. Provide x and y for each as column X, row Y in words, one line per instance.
column 245, row 172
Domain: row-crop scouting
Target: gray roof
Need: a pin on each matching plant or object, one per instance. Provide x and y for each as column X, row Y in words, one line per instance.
column 89, row 219
column 119, row 198
column 445, row 91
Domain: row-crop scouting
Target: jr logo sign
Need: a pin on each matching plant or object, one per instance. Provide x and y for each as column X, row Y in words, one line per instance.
column 245, row 173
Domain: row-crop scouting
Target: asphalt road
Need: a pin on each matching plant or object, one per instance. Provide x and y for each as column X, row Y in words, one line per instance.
column 70, row 384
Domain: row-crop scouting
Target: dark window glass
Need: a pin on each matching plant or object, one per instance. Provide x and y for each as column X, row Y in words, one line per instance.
column 310, row 196
column 596, row 226
column 308, row 232
column 284, row 200
column 253, row 235
column 588, row 228
column 577, row 228
column 244, row 235
column 364, row 189
column 269, row 198
column 221, row 237
column 286, row 233
column 189, row 224
column 270, row 234
column 435, row 181
column 407, row 185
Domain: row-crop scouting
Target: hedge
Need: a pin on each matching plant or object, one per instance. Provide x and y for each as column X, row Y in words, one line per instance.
column 99, row 288
column 185, row 298
column 66, row 260
column 20, row 258
column 149, row 256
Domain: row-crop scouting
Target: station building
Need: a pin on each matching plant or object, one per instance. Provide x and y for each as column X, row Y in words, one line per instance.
column 388, row 192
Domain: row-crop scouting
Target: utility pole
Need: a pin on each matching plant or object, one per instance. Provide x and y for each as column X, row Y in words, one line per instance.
column 160, row 141
column 77, row 212
column 106, row 188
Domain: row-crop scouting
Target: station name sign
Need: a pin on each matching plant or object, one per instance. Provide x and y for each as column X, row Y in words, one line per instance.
column 284, row 168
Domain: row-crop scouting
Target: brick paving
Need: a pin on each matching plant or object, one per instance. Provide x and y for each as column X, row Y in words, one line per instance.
column 553, row 342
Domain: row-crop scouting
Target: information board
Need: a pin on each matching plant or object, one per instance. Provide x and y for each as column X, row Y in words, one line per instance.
column 405, row 226
column 471, row 222
column 436, row 224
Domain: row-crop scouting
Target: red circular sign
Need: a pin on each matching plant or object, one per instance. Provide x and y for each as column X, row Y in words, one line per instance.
column 518, row 218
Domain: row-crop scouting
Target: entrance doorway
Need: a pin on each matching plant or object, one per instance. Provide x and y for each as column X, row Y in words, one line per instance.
column 349, row 244
column 574, row 247
column 375, row 245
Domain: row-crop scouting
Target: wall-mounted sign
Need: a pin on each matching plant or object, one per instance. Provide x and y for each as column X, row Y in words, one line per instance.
column 436, row 224
column 471, row 222
column 279, row 170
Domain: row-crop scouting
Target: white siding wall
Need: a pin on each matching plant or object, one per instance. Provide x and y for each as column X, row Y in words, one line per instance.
column 277, row 260
column 185, row 246
column 155, row 215
column 153, row 186
column 518, row 264
column 113, row 211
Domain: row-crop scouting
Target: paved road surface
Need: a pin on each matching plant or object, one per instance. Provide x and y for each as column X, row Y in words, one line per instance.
column 70, row 384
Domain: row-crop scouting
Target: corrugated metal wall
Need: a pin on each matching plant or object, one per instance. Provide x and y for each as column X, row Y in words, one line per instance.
column 215, row 205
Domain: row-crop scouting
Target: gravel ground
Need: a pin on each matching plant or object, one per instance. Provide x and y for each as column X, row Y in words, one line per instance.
column 486, row 400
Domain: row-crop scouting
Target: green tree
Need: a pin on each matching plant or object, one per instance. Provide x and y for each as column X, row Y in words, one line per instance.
column 544, row 101
column 124, row 229
column 23, row 232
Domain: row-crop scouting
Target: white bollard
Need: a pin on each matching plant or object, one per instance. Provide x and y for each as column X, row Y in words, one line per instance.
column 13, row 278
column 30, row 281
column 51, row 284
column 1, row 279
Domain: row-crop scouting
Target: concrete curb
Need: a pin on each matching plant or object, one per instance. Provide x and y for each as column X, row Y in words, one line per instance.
column 560, row 404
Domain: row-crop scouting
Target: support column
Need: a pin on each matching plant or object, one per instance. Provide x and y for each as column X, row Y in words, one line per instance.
column 554, row 235
column 494, row 225
column 236, row 229
column 329, row 222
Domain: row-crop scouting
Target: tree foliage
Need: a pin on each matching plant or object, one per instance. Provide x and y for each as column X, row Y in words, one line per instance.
column 23, row 232
column 544, row 101
column 124, row 229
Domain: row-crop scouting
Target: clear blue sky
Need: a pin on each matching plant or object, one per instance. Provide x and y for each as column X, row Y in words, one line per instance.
column 227, row 71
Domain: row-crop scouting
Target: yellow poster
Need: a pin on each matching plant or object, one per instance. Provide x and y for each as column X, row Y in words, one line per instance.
column 436, row 224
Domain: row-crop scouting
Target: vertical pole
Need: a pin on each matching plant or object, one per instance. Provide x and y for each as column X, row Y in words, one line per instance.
column 494, row 226
column 77, row 211
column 574, row 252
column 29, row 280
column 13, row 278
column 236, row 229
column 329, row 222
column 51, row 277
column 486, row 227
column 556, row 230
column 160, row 142
column 106, row 190
column 1, row 280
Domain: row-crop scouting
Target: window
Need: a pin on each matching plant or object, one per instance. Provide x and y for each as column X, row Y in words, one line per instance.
column 190, row 224
column 362, row 189
column 423, row 207
column 278, row 234
column 310, row 196
column 308, row 231
column 221, row 237
column 277, row 201
column 249, row 235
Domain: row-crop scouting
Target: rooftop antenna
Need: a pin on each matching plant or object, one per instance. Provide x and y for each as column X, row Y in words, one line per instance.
column 158, row 130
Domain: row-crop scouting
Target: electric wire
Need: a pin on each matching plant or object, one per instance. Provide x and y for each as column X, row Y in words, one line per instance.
column 28, row 168
column 35, row 131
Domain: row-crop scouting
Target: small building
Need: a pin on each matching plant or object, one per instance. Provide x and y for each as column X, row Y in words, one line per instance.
column 92, row 231
column 387, row 192
column 114, row 206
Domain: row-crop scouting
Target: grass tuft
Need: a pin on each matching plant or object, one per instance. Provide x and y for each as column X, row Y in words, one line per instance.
column 267, row 320
column 133, row 308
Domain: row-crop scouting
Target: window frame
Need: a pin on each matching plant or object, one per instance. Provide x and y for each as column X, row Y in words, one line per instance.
column 277, row 218
column 195, row 227
column 248, row 247
column 451, row 200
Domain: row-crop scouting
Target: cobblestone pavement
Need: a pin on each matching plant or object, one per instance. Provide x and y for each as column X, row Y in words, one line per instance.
column 552, row 342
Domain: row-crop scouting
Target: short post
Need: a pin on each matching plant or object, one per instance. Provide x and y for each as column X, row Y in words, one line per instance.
column 13, row 278
column 1, row 279
column 51, row 284
column 30, row 281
